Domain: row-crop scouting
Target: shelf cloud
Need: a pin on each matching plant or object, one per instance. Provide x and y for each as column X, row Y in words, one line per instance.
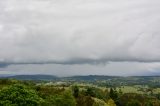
column 79, row 32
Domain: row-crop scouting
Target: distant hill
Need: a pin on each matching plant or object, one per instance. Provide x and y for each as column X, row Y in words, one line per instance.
column 90, row 77
column 81, row 78
column 32, row 77
column 5, row 75
column 51, row 77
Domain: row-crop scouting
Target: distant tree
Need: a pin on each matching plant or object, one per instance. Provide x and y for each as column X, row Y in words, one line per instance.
column 75, row 90
column 106, row 93
column 95, row 92
column 100, row 94
column 19, row 95
column 113, row 94
column 120, row 92
column 90, row 92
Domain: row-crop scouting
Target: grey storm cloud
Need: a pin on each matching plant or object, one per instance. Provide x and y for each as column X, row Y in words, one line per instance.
column 79, row 31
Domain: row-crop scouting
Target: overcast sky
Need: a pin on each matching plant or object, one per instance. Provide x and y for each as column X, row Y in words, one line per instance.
column 80, row 37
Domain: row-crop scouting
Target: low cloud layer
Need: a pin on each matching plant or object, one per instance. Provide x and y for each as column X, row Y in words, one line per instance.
column 79, row 32
column 113, row 68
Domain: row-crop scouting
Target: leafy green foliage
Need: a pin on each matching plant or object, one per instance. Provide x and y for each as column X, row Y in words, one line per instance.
column 96, row 92
column 19, row 95
column 46, row 91
column 111, row 102
column 133, row 99
column 64, row 99
column 91, row 92
column 99, row 102
column 134, row 103
column 83, row 100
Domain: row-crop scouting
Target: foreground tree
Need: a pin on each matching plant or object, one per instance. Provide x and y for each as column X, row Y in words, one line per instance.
column 19, row 95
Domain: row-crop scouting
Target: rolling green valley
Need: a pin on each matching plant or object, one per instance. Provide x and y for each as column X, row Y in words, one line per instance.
column 90, row 90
